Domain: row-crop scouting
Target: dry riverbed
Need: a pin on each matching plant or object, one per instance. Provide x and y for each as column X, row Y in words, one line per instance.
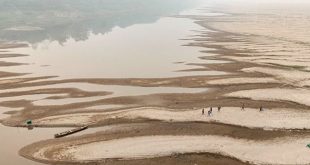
column 173, row 129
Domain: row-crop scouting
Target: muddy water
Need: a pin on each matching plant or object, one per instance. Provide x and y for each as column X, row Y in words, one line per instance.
column 73, row 40
column 138, row 51
column 12, row 139
column 134, row 49
column 16, row 138
column 117, row 91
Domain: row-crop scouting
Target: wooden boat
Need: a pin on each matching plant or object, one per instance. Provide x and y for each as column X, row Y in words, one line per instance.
column 69, row 132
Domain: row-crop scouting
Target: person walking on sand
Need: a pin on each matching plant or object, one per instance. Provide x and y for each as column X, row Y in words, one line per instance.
column 242, row 108
column 261, row 109
column 219, row 108
column 203, row 111
column 210, row 112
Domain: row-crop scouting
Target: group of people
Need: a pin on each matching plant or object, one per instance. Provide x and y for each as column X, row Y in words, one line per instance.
column 210, row 110
column 219, row 109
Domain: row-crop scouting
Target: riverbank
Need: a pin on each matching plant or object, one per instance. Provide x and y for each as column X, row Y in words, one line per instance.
column 260, row 71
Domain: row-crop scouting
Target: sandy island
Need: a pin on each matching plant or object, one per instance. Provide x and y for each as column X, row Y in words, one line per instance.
column 262, row 70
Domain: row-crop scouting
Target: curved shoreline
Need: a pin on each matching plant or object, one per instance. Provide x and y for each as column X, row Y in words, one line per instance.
column 271, row 119
column 253, row 69
column 142, row 147
column 150, row 128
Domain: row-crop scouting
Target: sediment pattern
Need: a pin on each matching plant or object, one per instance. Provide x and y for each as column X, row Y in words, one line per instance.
column 264, row 70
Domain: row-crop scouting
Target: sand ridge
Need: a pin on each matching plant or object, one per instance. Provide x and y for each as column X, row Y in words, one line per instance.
column 265, row 70
column 277, row 151
column 250, row 117
column 297, row 95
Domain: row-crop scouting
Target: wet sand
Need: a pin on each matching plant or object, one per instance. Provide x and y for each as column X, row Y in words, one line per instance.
column 262, row 71
column 279, row 151
column 53, row 149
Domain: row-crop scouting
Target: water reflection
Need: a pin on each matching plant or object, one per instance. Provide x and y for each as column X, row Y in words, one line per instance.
column 69, row 38
column 138, row 51
column 37, row 20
